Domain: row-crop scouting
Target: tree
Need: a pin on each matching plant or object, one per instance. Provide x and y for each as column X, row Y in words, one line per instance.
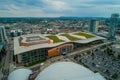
column 115, row 76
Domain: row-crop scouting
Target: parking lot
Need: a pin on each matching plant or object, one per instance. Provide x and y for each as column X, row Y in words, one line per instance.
column 103, row 63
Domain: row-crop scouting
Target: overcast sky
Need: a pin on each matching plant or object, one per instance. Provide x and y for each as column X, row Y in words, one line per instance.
column 56, row 8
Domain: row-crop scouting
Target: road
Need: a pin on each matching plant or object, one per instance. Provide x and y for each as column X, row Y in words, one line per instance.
column 8, row 60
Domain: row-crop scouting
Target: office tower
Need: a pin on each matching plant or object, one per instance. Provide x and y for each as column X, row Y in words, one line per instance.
column 94, row 26
column 3, row 37
column 113, row 24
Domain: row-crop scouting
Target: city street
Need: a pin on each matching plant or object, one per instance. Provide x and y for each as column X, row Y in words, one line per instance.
column 8, row 60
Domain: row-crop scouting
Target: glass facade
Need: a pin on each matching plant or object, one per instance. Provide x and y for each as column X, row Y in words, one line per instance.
column 92, row 26
column 0, row 38
column 3, row 36
column 33, row 56
column 66, row 49
column 113, row 25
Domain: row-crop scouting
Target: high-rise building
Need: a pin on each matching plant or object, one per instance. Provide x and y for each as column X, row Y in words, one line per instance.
column 94, row 26
column 3, row 39
column 113, row 25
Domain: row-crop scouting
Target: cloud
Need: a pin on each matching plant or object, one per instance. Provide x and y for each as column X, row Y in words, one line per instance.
column 54, row 8
column 55, row 5
column 104, row 2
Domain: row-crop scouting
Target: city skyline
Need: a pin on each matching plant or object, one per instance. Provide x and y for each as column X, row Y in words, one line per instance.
column 57, row 8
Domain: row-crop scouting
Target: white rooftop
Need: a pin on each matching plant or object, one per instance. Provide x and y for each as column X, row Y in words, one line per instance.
column 20, row 49
column 68, row 71
column 19, row 74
